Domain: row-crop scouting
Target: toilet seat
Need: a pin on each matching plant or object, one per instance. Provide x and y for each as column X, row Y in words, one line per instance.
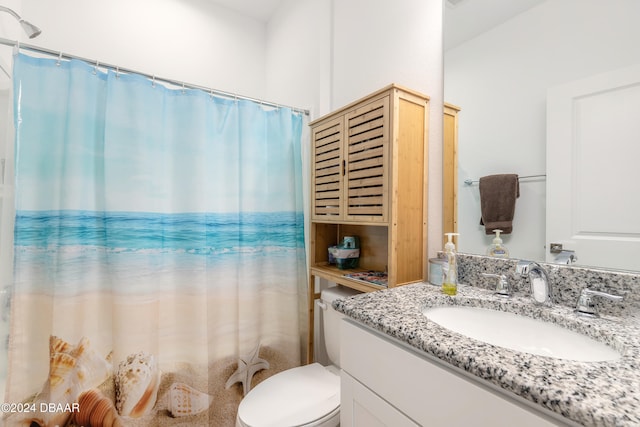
column 304, row 396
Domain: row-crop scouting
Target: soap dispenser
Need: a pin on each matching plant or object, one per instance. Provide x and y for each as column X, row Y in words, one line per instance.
column 497, row 249
column 450, row 269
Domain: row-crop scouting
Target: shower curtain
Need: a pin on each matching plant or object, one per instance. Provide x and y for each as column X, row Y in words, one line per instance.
column 158, row 231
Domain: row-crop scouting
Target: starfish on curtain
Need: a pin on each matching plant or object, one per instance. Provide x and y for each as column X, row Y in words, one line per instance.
column 247, row 367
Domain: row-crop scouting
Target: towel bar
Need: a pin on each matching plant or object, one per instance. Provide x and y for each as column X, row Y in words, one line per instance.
column 471, row 181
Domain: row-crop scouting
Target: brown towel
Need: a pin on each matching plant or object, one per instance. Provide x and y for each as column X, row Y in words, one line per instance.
column 498, row 194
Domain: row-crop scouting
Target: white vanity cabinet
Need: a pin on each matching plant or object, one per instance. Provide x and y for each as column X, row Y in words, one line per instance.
column 385, row 383
column 362, row 407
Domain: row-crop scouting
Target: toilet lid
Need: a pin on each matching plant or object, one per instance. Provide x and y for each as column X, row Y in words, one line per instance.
column 293, row 397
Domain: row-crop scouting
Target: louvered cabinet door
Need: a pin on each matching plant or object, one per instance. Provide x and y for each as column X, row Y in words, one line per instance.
column 327, row 170
column 367, row 159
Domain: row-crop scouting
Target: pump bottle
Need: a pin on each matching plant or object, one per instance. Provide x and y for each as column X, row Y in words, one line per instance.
column 450, row 281
column 497, row 249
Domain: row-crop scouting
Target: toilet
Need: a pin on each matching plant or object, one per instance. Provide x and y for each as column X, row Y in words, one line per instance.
column 308, row 395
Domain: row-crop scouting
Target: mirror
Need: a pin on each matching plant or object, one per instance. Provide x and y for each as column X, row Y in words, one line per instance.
column 501, row 57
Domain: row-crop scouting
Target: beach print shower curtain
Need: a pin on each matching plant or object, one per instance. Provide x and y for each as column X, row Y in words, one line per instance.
column 159, row 247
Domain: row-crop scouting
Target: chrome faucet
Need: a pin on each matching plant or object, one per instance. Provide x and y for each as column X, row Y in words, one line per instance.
column 566, row 257
column 585, row 305
column 539, row 280
column 502, row 286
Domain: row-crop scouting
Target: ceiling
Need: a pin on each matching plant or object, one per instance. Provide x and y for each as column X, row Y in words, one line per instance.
column 469, row 18
column 464, row 19
column 262, row 10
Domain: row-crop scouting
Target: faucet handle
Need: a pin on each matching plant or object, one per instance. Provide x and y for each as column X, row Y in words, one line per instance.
column 586, row 306
column 502, row 287
column 522, row 268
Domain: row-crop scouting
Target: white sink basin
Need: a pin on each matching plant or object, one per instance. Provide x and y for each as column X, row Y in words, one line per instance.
column 520, row 333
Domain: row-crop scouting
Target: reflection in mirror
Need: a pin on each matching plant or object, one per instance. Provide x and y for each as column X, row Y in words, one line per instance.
column 501, row 60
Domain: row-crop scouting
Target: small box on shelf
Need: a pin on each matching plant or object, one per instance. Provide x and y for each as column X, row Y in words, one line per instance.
column 351, row 260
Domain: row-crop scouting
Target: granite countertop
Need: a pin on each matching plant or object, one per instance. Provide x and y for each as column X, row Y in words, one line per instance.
column 588, row 393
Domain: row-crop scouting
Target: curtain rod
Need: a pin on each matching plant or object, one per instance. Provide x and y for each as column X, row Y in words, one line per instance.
column 184, row 85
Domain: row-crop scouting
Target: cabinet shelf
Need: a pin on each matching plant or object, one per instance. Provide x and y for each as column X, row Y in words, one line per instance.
column 336, row 275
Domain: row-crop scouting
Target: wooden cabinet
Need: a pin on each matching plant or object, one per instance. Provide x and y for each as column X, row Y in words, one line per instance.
column 369, row 179
column 450, row 170
column 350, row 164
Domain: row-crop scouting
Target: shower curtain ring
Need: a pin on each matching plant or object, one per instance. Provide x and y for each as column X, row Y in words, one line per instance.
column 117, row 72
column 95, row 68
column 153, row 81
column 59, row 59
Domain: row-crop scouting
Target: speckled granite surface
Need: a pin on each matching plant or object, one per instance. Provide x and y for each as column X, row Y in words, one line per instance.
column 567, row 280
column 589, row 393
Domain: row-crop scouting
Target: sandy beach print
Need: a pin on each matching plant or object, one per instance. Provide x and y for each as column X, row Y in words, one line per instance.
column 196, row 299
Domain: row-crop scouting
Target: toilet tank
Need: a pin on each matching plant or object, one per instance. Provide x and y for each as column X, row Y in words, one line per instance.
column 331, row 320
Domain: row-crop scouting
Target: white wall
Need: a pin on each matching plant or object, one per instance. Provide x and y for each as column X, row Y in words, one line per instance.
column 377, row 42
column 194, row 41
column 9, row 29
column 299, row 55
column 325, row 54
column 500, row 80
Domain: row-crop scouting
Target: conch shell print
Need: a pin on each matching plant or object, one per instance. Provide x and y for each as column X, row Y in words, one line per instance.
column 137, row 382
